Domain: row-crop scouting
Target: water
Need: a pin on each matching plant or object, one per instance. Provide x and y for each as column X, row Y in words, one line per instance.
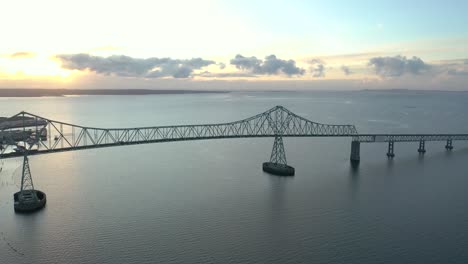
column 209, row 201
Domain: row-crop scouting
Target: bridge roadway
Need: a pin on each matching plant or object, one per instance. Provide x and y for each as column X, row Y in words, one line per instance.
column 42, row 135
column 28, row 134
column 48, row 136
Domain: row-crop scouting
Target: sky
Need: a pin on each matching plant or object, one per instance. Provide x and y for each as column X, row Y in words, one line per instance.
column 234, row 45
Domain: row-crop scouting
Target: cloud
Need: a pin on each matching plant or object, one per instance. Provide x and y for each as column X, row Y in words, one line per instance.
column 316, row 61
column 208, row 74
column 273, row 65
column 397, row 66
column 246, row 63
column 270, row 66
column 318, row 68
column 346, row 70
column 318, row 71
column 126, row 66
column 22, row 54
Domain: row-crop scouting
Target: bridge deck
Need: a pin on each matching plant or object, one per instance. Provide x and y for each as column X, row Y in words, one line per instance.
column 370, row 138
column 364, row 138
column 41, row 135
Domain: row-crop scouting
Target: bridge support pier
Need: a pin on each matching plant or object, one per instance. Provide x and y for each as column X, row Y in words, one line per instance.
column 278, row 164
column 355, row 152
column 28, row 199
column 449, row 146
column 422, row 147
column 390, row 153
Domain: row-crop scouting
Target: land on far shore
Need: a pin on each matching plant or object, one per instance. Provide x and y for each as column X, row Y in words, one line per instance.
column 64, row 92
column 39, row 92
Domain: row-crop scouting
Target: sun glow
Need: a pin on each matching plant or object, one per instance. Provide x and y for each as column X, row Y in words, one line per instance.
column 35, row 66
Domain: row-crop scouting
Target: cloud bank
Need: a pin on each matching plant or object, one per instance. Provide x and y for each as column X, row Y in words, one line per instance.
column 270, row 66
column 397, row 66
column 318, row 68
column 346, row 70
column 126, row 66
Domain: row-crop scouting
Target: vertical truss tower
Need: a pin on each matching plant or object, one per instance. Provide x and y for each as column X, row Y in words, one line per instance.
column 278, row 164
column 27, row 192
column 278, row 156
column 28, row 199
column 279, row 121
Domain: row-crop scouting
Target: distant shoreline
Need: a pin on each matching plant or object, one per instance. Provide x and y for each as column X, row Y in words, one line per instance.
column 31, row 92
column 65, row 92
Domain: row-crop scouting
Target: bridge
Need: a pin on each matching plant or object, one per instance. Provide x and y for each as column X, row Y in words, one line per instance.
column 26, row 134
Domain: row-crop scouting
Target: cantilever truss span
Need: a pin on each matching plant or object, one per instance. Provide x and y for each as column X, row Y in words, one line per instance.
column 29, row 134
column 42, row 135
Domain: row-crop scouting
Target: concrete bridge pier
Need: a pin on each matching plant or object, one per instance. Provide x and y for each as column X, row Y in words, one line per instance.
column 422, row 147
column 390, row 153
column 449, row 146
column 355, row 152
column 278, row 164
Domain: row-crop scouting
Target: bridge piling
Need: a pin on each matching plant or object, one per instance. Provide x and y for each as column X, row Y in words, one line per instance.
column 355, row 152
column 28, row 199
column 422, row 147
column 449, row 146
column 390, row 153
column 278, row 164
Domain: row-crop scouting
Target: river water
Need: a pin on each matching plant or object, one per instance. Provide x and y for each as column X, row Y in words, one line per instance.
column 210, row 202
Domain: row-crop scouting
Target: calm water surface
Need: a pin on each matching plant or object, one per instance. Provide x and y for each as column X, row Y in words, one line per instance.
column 210, row 202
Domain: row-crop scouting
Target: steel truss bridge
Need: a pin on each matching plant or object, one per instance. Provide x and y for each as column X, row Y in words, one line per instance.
column 26, row 134
column 50, row 136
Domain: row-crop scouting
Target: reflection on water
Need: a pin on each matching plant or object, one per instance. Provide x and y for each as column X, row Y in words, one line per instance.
column 353, row 176
column 390, row 164
column 278, row 194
